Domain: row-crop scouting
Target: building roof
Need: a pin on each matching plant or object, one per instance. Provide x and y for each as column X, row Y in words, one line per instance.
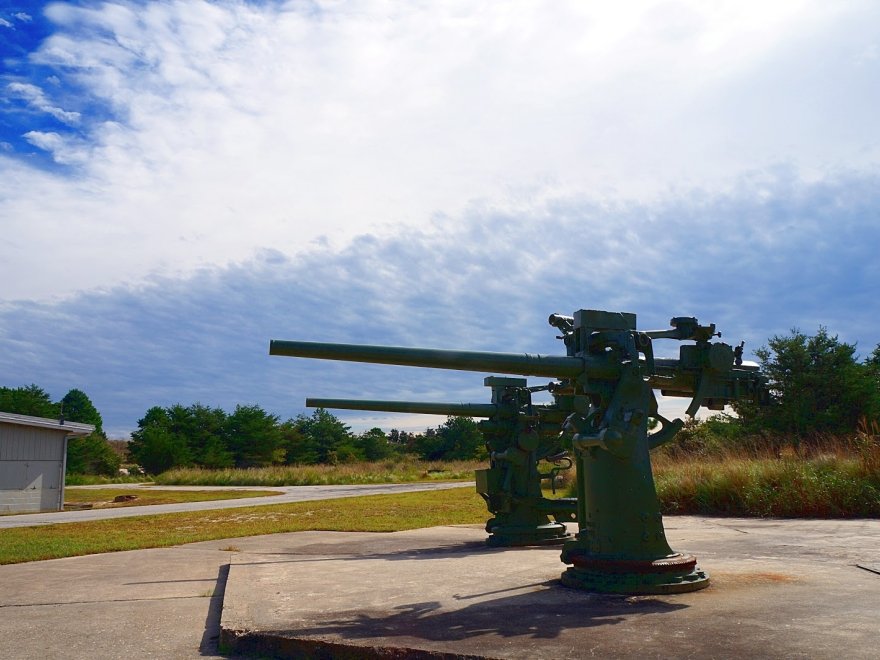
column 74, row 429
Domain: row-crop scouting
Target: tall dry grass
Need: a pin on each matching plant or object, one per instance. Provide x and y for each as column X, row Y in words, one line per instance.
column 822, row 477
column 702, row 474
column 100, row 479
column 378, row 472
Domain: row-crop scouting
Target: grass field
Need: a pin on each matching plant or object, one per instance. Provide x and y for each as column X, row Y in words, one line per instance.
column 100, row 479
column 822, row 486
column 376, row 513
column 380, row 472
column 839, row 481
column 103, row 497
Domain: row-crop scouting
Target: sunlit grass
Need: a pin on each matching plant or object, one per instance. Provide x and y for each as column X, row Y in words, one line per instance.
column 147, row 496
column 379, row 472
column 375, row 513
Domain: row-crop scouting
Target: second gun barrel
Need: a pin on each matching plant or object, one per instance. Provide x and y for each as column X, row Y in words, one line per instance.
column 422, row 408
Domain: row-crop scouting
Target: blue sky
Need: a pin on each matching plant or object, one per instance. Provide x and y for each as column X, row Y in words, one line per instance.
column 182, row 181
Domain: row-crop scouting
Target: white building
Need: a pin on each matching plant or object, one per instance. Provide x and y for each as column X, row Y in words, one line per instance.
column 33, row 457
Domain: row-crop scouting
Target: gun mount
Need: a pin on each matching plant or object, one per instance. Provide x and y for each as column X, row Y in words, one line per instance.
column 603, row 398
column 519, row 436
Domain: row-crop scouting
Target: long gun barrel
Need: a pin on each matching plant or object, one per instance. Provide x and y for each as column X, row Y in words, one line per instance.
column 683, row 377
column 422, row 408
column 524, row 364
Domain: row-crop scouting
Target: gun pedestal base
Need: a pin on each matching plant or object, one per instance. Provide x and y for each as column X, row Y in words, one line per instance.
column 669, row 575
column 502, row 536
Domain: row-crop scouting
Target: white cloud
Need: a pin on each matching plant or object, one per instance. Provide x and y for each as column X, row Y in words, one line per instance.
column 37, row 99
column 63, row 149
column 241, row 126
column 779, row 252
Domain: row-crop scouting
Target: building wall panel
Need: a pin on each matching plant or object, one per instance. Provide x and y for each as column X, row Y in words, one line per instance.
column 22, row 443
column 13, row 475
column 31, row 461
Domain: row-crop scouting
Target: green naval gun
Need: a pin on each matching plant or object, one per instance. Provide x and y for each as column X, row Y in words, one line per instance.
column 603, row 391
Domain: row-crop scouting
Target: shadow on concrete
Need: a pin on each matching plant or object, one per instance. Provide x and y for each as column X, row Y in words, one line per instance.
column 317, row 552
column 211, row 637
column 533, row 614
column 128, row 584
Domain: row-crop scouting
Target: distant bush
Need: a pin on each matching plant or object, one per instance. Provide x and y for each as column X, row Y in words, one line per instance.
column 97, row 479
column 91, row 454
column 817, row 386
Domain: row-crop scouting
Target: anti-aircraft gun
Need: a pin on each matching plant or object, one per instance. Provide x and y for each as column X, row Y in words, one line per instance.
column 603, row 393
column 519, row 436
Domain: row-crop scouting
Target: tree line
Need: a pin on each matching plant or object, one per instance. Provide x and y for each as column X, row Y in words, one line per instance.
column 202, row 436
column 198, row 435
column 817, row 384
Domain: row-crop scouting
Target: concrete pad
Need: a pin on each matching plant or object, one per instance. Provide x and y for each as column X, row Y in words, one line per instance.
column 791, row 589
column 160, row 603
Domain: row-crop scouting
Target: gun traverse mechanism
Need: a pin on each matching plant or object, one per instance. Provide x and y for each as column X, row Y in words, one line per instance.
column 603, row 397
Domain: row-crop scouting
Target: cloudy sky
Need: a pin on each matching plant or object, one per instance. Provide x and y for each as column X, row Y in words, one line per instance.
column 182, row 181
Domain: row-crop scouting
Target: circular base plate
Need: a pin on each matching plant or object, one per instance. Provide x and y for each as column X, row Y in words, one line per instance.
column 509, row 536
column 668, row 575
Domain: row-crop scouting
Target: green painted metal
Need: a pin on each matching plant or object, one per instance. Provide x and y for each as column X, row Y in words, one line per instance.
column 502, row 363
column 520, row 438
column 603, row 397
column 416, row 407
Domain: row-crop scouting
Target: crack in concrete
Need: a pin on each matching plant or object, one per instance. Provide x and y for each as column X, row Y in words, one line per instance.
column 871, row 568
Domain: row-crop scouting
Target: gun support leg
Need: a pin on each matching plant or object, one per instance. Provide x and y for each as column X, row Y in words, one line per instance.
column 621, row 545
